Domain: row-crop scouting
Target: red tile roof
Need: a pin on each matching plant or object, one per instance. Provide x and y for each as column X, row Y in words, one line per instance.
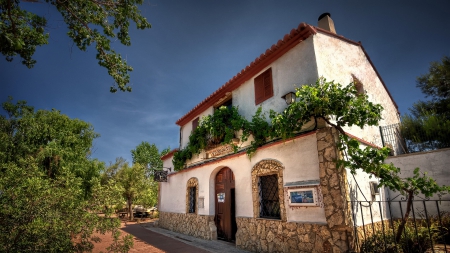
column 290, row 40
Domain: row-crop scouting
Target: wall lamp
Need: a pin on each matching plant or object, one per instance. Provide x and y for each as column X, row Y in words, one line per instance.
column 289, row 98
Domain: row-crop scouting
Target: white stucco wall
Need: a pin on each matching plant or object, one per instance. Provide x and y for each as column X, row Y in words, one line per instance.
column 293, row 69
column 337, row 60
column 187, row 128
column 299, row 158
column 436, row 164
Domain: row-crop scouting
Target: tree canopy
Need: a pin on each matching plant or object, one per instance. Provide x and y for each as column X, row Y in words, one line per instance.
column 428, row 125
column 436, row 85
column 148, row 155
column 50, row 191
column 89, row 23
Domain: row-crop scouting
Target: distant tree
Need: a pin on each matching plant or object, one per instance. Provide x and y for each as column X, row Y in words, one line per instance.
column 110, row 171
column 50, row 191
column 133, row 182
column 89, row 22
column 428, row 125
column 148, row 156
column 436, row 85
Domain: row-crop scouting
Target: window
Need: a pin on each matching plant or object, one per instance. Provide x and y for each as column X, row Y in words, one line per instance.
column 374, row 189
column 195, row 124
column 263, row 86
column 268, row 197
column 228, row 104
column 192, row 195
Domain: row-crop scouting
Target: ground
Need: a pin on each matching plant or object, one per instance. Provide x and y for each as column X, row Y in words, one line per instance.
column 139, row 245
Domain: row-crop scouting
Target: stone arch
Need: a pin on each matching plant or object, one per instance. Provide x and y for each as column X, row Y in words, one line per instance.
column 192, row 182
column 264, row 168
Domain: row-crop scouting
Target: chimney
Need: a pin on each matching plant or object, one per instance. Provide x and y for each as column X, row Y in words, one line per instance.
column 325, row 22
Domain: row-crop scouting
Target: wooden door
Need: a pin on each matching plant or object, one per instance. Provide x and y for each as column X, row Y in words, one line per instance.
column 225, row 217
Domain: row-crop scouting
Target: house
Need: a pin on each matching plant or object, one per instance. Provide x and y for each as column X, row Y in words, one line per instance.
column 288, row 197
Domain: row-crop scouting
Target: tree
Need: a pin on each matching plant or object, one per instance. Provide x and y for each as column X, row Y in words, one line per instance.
column 428, row 126
column 435, row 84
column 22, row 31
column 148, row 156
column 133, row 182
column 50, row 190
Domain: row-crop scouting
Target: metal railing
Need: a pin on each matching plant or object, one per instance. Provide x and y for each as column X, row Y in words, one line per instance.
column 376, row 223
column 404, row 140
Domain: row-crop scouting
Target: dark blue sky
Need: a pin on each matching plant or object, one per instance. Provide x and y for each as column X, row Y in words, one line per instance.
column 194, row 47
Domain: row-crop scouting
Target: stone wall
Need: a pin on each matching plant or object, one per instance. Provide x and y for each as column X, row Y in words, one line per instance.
column 264, row 235
column 201, row 226
column 333, row 182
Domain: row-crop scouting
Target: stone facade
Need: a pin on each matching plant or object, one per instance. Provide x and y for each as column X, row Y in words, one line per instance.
column 201, row 226
column 333, row 182
column 264, row 235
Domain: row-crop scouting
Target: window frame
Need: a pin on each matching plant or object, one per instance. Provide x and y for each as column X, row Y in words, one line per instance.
column 263, row 86
column 264, row 196
column 192, row 187
column 195, row 123
column 192, row 206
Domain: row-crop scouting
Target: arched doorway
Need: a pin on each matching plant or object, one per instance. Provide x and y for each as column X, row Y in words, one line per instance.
column 225, row 203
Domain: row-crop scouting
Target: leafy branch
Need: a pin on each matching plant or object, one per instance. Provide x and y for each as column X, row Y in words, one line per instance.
column 22, row 31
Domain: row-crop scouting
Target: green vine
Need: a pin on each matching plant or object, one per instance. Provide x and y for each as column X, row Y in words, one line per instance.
column 320, row 100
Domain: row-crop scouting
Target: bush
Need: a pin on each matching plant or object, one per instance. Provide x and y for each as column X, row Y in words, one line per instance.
column 415, row 238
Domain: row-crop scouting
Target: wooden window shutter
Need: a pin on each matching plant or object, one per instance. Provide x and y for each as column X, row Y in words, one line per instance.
column 263, row 86
column 195, row 123
column 259, row 90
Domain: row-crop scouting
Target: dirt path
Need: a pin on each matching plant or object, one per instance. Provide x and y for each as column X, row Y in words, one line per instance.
column 139, row 245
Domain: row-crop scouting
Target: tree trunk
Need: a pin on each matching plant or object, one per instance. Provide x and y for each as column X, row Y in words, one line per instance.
column 129, row 209
column 405, row 218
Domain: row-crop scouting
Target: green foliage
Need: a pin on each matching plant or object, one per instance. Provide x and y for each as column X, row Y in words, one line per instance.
column 435, row 84
column 260, row 129
column 148, row 156
column 132, row 181
column 428, row 125
column 216, row 129
column 412, row 240
column 321, row 100
column 180, row 158
column 50, row 191
column 22, row 31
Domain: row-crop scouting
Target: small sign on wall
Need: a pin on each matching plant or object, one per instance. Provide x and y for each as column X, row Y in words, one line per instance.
column 303, row 197
column 201, row 202
column 221, row 197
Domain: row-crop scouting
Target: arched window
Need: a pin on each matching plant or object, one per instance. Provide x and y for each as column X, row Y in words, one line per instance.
column 192, row 195
column 267, row 188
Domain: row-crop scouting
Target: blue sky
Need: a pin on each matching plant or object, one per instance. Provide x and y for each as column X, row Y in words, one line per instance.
column 196, row 46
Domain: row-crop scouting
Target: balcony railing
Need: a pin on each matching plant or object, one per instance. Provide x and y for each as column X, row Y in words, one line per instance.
column 403, row 140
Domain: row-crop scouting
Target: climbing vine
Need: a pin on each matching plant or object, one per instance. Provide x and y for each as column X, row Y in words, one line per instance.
column 317, row 101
